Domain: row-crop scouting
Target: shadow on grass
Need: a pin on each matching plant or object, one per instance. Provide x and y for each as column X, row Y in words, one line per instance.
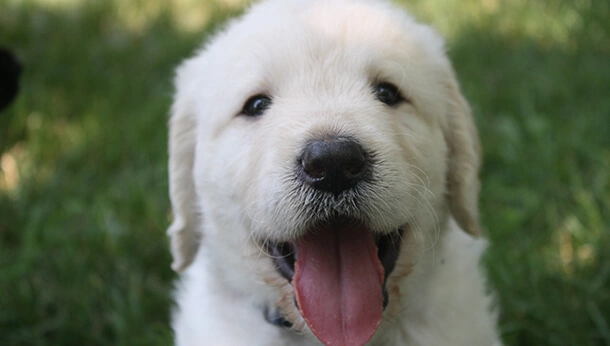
column 83, row 252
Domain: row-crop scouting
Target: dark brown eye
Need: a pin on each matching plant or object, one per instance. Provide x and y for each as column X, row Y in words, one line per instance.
column 256, row 105
column 387, row 93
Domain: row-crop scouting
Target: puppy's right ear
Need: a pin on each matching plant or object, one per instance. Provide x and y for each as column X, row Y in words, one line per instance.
column 183, row 232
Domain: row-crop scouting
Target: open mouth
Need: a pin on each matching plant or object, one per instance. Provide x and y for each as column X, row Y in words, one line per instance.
column 338, row 271
column 388, row 248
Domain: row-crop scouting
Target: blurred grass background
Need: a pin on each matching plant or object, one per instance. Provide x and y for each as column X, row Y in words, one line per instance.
column 83, row 178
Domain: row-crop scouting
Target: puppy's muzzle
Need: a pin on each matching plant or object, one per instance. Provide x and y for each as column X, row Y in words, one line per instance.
column 334, row 164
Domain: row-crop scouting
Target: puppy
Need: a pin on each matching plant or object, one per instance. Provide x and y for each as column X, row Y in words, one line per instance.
column 323, row 179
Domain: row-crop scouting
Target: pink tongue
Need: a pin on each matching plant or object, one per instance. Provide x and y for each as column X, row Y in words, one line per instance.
column 338, row 282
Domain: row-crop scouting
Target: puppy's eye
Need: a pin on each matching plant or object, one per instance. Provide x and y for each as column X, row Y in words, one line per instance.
column 388, row 94
column 256, row 105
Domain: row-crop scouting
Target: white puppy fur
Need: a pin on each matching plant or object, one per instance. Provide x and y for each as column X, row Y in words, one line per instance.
column 233, row 187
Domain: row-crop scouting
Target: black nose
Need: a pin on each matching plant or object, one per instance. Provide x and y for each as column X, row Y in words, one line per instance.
column 334, row 164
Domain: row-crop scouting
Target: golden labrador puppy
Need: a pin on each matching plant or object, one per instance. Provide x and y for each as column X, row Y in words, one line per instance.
column 323, row 178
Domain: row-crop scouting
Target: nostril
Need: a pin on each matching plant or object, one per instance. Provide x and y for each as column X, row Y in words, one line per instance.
column 354, row 165
column 313, row 167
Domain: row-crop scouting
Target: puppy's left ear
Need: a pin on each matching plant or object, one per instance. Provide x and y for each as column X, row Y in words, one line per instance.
column 463, row 162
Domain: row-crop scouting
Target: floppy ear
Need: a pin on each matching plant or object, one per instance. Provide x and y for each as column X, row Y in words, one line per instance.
column 463, row 161
column 183, row 232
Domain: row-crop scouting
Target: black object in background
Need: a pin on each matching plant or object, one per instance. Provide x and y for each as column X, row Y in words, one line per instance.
column 10, row 70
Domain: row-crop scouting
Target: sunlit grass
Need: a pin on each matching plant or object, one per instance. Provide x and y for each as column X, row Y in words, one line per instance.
column 137, row 15
column 551, row 22
column 83, row 179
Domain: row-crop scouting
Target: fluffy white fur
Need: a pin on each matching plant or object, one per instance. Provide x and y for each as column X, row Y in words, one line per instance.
column 232, row 184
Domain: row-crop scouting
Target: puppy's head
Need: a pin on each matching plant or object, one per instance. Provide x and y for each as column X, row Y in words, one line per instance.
column 321, row 137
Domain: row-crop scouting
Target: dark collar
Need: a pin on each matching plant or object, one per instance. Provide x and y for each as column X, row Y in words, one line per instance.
column 273, row 316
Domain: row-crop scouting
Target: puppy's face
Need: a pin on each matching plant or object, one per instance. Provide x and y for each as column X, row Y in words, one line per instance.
column 326, row 143
column 328, row 77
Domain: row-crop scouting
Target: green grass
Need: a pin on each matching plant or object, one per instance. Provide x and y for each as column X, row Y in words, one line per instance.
column 83, row 254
